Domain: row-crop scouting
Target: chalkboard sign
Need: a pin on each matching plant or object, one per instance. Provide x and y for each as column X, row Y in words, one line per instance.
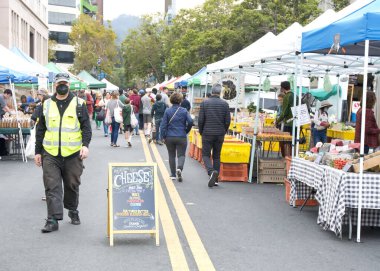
column 132, row 199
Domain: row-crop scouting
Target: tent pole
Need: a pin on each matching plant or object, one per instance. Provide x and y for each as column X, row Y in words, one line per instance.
column 192, row 95
column 299, row 106
column 253, row 150
column 294, row 137
column 237, row 96
column 362, row 133
column 338, row 99
column 206, row 84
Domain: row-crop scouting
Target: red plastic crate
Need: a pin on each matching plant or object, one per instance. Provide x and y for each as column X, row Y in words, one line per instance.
column 191, row 150
column 233, row 172
column 199, row 158
column 299, row 202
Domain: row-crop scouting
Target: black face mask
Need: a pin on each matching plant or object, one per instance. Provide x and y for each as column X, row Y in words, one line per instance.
column 62, row 89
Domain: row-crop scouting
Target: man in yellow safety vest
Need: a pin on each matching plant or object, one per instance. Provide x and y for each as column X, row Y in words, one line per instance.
column 63, row 135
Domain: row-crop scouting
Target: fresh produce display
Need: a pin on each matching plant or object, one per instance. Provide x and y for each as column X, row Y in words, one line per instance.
column 10, row 121
column 339, row 163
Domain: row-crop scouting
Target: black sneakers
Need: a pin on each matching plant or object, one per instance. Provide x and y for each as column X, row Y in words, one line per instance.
column 178, row 174
column 74, row 215
column 213, row 179
column 51, row 225
column 129, row 144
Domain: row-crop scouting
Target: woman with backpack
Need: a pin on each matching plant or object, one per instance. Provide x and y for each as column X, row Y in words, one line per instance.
column 127, row 111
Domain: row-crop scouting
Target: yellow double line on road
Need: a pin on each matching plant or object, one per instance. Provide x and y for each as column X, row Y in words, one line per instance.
column 176, row 254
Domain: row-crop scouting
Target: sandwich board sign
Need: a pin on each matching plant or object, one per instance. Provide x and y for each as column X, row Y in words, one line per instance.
column 132, row 199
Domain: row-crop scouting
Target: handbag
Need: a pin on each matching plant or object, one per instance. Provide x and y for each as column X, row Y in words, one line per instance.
column 134, row 121
column 118, row 114
column 302, row 139
column 108, row 118
column 101, row 115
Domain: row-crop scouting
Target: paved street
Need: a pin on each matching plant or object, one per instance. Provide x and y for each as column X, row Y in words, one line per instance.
column 241, row 226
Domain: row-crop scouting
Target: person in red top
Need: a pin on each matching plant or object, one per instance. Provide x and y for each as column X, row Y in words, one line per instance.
column 135, row 102
column 372, row 131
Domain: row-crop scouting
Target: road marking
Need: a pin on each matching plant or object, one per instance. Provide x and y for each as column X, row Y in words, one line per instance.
column 200, row 254
column 176, row 254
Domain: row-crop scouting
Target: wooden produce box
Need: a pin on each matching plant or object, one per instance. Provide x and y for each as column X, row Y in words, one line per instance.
column 370, row 161
column 272, row 170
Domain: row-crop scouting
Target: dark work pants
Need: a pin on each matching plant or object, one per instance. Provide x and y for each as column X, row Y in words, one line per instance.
column 158, row 132
column 176, row 147
column 319, row 136
column 214, row 144
column 56, row 170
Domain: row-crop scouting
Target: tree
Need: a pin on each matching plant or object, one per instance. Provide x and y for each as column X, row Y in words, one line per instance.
column 51, row 50
column 340, row 4
column 94, row 45
column 142, row 50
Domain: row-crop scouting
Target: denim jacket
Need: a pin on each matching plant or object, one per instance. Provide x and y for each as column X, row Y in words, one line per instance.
column 179, row 125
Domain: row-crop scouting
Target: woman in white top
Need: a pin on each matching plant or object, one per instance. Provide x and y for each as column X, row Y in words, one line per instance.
column 321, row 123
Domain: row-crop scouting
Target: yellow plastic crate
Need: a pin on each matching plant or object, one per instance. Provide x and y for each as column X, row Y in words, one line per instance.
column 269, row 121
column 198, row 142
column 191, row 136
column 275, row 146
column 238, row 126
column 235, row 153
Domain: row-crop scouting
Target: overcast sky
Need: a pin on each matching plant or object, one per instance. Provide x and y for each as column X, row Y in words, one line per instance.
column 114, row 8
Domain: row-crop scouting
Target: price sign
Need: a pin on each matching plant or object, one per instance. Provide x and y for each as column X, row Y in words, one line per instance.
column 304, row 117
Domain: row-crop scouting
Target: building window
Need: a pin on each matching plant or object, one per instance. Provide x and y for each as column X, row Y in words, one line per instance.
column 64, row 3
column 61, row 18
column 59, row 37
column 65, row 57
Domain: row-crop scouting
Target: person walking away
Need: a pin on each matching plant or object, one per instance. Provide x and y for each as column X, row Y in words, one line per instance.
column 141, row 115
column 214, row 121
column 111, row 105
column 176, row 124
column 185, row 103
column 158, row 111
column 320, row 123
column 62, row 138
column 98, row 106
column 127, row 111
column 89, row 101
column 135, row 101
column 165, row 97
column 106, row 99
column 147, row 100
column 372, row 131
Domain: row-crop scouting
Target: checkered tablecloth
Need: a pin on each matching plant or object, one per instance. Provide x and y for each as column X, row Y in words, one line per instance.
column 304, row 176
column 337, row 192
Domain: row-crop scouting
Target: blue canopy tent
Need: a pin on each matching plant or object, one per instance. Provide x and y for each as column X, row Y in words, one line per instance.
column 357, row 33
column 195, row 81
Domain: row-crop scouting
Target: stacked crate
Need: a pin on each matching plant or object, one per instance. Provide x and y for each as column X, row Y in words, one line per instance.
column 234, row 160
column 271, row 170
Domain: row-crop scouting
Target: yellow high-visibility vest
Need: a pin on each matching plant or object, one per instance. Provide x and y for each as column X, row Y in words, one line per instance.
column 63, row 132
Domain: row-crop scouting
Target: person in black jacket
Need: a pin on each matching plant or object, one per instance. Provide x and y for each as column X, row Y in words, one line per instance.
column 214, row 121
column 185, row 103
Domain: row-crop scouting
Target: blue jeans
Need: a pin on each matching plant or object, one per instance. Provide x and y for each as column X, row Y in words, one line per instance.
column 158, row 132
column 115, row 131
column 106, row 128
column 319, row 136
column 137, row 126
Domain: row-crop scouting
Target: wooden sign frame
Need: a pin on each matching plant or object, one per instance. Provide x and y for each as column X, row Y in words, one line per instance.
column 110, row 225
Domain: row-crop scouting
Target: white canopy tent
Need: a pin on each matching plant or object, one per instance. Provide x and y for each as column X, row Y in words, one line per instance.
column 110, row 86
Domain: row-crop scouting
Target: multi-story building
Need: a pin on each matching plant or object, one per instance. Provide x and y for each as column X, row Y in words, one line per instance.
column 23, row 24
column 61, row 16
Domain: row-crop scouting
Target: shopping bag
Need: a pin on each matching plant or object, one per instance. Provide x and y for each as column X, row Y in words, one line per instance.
column 117, row 114
column 108, row 119
column 134, row 121
column 29, row 150
column 101, row 115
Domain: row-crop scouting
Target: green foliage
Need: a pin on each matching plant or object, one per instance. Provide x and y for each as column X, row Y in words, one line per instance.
column 142, row 50
column 92, row 41
column 340, row 4
column 51, row 50
column 206, row 34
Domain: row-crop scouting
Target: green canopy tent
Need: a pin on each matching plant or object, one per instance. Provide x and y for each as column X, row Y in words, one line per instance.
column 75, row 83
column 92, row 82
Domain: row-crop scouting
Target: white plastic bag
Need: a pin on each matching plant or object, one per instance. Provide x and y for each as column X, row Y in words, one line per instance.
column 29, row 150
column 117, row 114
column 134, row 121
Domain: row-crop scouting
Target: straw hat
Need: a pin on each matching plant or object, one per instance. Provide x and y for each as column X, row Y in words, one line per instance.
column 325, row 103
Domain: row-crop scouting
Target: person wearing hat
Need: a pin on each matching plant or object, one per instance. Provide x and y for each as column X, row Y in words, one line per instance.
column 42, row 95
column 63, row 135
column 321, row 123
